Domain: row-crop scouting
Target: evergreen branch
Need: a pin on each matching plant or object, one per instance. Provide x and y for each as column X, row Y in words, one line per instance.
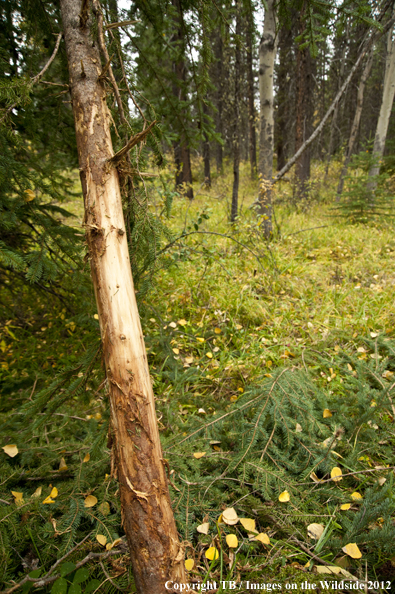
column 49, row 579
column 36, row 78
column 120, row 24
column 335, row 478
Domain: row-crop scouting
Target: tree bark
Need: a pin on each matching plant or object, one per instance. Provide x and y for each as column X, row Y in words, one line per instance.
column 283, row 98
column 385, row 110
column 356, row 121
column 250, row 81
column 267, row 54
column 147, row 516
column 218, row 55
column 236, row 115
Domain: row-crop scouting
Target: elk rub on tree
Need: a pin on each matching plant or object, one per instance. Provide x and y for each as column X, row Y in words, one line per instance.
column 147, row 516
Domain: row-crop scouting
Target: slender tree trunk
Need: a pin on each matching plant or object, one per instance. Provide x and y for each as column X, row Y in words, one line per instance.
column 283, row 98
column 250, row 81
column 342, row 58
column 206, row 154
column 385, row 110
column 267, row 54
column 219, row 67
column 147, row 516
column 303, row 111
column 356, row 121
column 182, row 155
column 236, row 115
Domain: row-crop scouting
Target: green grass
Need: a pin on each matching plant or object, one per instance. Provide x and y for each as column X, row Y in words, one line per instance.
column 228, row 312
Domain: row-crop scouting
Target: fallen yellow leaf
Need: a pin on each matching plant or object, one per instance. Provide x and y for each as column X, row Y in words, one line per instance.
column 327, row 413
column 217, row 330
column 356, row 496
column 263, row 538
column 176, row 351
column 203, row 528
column 48, row 500
column 198, row 455
column 182, row 322
column 231, row 541
column 209, row 355
column 104, row 508
column 37, row 492
column 212, row 553
column 29, row 195
column 90, row 501
column 229, row 516
column 11, row 450
column 200, row 339
column 87, row 457
column 18, row 497
column 62, row 466
column 336, row 474
column 188, row 359
column 248, row 524
column 101, row 539
column 284, row 497
column 189, row 563
column 315, row 530
column 345, row 506
column 352, row 550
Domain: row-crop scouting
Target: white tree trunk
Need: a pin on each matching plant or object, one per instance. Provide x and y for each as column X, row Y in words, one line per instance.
column 386, row 107
column 267, row 53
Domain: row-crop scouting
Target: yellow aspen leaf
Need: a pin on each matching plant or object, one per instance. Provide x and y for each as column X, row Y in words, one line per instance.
column 189, row 564
column 29, row 195
column 314, row 477
column 104, row 508
column 336, row 474
column 212, row 553
column 116, row 542
column 284, row 497
column 203, row 528
column 11, row 450
column 239, row 326
column 101, row 539
column 98, row 416
column 198, row 455
column 298, row 428
column 54, row 493
column 176, row 351
column 188, row 360
column 373, row 403
column 248, row 524
column 37, row 492
column 209, row 355
column 315, row 530
column 352, row 550
column 48, row 500
column 229, row 516
column 182, row 322
column 263, row 538
column 62, row 466
column 356, row 496
column 173, row 325
column 109, row 546
column 200, row 339
column 327, row 413
column 231, row 541
column 90, row 501
column 87, row 457
column 217, row 330
column 18, row 497
column 96, row 316
column 345, row 506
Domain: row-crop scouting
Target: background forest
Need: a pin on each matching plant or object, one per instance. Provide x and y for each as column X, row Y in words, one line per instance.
column 254, row 146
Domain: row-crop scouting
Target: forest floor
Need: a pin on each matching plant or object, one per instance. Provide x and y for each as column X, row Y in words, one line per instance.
column 272, row 365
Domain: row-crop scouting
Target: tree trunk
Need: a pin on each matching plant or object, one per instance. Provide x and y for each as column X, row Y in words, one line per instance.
column 206, row 152
column 283, row 95
column 182, row 155
column 385, row 110
column 218, row 54
column 250, row 81
column 356, row 121
column 267, row 54
column 147, row 517
column 303, row 111
column 236, row 115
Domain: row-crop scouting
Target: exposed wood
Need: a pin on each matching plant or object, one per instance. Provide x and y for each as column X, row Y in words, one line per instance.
column 147, row 516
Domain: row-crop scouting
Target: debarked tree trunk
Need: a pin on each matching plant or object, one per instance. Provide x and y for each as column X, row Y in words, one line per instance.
column 147, row 516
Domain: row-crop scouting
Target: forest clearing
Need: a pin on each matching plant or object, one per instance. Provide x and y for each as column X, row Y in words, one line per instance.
column 196, row 362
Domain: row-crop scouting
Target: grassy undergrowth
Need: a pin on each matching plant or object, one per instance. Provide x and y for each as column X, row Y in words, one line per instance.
column 272, row 364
